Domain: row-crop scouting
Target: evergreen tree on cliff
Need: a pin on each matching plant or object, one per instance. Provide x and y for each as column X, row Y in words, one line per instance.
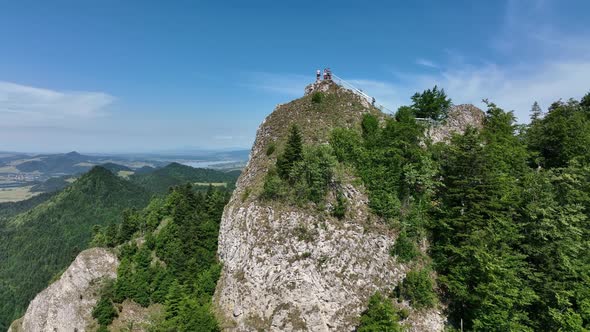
column 293, row 153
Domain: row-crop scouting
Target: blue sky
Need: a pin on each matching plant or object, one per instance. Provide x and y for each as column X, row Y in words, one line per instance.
column 139, row 76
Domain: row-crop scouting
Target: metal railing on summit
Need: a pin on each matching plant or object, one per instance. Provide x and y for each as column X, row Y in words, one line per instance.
column 359, row 92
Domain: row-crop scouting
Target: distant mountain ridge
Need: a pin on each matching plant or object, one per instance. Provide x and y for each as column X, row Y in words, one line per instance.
column 163, row 178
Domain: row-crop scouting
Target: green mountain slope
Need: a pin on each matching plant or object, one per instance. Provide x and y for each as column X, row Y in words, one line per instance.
column 160, row 180
column 37, row 244
column 11, row 209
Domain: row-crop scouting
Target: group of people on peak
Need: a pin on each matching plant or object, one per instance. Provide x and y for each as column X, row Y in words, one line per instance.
column 327, row 74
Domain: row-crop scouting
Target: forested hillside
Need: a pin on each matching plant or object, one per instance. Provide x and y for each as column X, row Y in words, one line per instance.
column 37, row 244
column 168, row 257
column 505, row 210
column 10, row 209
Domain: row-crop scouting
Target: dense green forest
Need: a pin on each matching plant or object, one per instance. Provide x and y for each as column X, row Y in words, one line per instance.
column 176, row 264
column 11, row 209
column 505, row 210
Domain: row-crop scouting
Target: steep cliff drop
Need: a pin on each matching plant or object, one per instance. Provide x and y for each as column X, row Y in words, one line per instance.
column 290, row 268
column 66, row 305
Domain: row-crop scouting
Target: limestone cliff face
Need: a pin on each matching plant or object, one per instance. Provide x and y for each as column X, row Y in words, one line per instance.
column 460, row 117
column 66, row 305
column 289, row 268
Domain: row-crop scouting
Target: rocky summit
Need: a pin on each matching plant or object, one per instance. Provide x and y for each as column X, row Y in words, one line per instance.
column 291, row 268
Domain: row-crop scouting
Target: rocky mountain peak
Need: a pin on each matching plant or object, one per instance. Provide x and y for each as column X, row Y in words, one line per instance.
column 288, row 268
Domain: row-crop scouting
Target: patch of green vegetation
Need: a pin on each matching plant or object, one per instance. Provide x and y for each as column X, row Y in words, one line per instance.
column 317, row 97
column 418, row 288
column 304, row 234
column 104, row 311
column 339, row 210
column 380, row 315
column 301, row 174
column 405, row 249
column 184, row 276
column 272, row 146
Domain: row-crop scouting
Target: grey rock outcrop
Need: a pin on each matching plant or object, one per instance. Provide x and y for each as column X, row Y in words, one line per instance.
column 66, row 305
column 460, row 117
column 289, row 268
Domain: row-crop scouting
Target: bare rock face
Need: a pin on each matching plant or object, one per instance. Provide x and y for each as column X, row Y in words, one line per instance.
column 460, row 117
column 289, row 268
column 66, row 305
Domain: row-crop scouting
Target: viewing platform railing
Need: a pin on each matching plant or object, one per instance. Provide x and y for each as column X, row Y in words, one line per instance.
column 360, row 93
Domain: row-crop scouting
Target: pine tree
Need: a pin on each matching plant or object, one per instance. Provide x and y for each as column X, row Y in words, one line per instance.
column 124, row 287
column 292, row 154
column 129, row 225
column 104, row 311
column 174, row 300
column 379, row 316
column 536, row 112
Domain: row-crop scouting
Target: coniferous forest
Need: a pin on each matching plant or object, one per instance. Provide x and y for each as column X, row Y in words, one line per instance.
column 181, row 232
column 504, row 209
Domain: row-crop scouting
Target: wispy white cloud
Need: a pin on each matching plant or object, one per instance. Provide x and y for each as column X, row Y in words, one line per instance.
column 426, row 63
column 26, row 104
column 513, row 88
column 533, row 59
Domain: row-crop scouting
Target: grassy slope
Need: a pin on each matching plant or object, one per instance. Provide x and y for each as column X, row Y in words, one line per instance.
column 37, row 244
column 339, row 108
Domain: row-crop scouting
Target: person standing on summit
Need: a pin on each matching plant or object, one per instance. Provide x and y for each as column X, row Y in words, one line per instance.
column 318, row 74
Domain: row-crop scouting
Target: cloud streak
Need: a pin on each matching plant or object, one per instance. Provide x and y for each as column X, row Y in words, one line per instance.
column 545, row 63
column 426, row 63
column 23, row 104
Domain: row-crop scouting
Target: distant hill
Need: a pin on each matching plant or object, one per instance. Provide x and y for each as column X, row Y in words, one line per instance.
column 116, row 168
column 174, row 174
column 144, row 170
column 37, row 244
column 68, row 163
column 51, row 185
